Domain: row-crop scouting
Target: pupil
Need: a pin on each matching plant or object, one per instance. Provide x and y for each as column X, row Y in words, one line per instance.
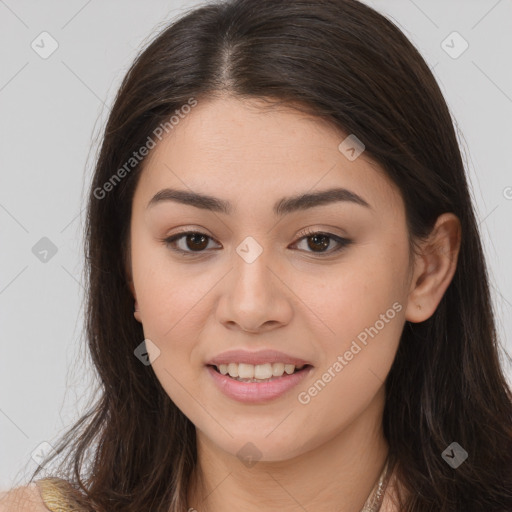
column 323, row 245
column 193, row 236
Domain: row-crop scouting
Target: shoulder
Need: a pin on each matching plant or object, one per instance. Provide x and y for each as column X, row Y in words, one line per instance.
column 22, row 499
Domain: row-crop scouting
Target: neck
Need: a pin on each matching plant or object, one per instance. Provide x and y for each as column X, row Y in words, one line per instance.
column 339, row 474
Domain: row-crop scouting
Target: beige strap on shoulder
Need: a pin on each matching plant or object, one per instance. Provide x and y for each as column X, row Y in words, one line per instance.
column 57, row 495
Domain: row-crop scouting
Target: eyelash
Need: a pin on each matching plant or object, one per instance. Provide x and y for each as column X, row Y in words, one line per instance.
column 343, row 242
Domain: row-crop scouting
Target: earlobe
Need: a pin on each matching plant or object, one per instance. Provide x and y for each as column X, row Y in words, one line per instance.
column 136, row 312
column 436, row 266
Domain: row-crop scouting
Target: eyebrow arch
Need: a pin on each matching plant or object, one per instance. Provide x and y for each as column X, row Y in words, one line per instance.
column 284, row 206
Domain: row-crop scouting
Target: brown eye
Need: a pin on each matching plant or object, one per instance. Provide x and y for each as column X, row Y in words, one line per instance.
column 194, row 242
column 318, row 242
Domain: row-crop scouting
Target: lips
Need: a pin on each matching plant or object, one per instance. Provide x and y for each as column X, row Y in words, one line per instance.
column 256, row 358
column 252, row 392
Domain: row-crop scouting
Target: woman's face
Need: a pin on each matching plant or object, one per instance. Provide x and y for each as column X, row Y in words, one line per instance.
column 252, row 279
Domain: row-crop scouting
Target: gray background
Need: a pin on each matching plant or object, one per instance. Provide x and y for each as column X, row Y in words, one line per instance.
column 52, row 111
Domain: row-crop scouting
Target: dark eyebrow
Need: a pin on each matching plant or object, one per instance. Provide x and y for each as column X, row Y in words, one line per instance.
column 282, row 207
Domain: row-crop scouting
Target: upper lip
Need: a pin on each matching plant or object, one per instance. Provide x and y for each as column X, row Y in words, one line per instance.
column 258, row 357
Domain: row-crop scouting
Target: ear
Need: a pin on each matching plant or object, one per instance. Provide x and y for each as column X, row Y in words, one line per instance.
column 136, row 312
column 129, row 280
column 434, row 268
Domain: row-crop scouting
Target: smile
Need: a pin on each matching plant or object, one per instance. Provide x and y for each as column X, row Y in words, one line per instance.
column 259, row 372
column 257, row 383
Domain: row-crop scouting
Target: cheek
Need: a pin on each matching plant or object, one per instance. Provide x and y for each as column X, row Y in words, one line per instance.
column 167, row 291
column 171, row 310
column 358, row 315
column 343, row 300
column 174, row 307
column 355, row 360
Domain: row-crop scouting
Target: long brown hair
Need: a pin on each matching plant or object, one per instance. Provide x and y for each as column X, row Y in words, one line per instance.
column 342, row 61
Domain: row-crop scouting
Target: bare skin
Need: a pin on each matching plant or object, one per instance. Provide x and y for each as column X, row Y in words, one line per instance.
column 22, row 499
column 325, row 454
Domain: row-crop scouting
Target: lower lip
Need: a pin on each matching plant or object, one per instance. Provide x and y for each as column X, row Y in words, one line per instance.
column 257, row 392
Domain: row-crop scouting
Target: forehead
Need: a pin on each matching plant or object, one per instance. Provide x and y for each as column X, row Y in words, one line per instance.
column 232, row 148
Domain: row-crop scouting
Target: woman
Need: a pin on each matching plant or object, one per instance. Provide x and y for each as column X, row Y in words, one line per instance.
column 288, row 302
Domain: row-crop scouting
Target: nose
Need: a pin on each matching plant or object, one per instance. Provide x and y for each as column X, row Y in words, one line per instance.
column 254, row 298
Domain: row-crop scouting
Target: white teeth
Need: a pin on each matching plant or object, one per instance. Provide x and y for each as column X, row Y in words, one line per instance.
column 233, row 369
column 258, row 371
column 289, row 368
column 245, row 371
column 263, row 371
column 277, row 369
